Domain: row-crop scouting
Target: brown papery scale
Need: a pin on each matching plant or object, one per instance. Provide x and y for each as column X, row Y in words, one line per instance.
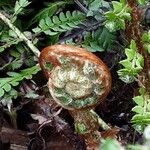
column 78, row 81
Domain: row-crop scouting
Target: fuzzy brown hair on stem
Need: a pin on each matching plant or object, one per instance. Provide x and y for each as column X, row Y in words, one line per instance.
column 78, row 81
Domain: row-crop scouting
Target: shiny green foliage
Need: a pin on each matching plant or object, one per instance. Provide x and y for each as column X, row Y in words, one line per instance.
column 48, row 11
column 62, row 23
column 99, row 40
column 146, row 40
column 115, row 19
column 110, row 144
column 142, row 109
column 14, row 78
column 142, row 2
column 95, row 8
column 133, row 64
column 113, row 144
column 19, row 7
column 8, row 38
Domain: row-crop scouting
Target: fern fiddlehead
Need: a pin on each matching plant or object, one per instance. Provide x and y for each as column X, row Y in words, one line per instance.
column 78, row 81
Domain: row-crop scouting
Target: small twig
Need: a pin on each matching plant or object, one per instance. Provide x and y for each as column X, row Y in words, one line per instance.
column 20, row 34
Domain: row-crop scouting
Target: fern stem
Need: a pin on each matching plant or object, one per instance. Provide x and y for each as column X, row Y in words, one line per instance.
column 20, row 34
column 83, row 9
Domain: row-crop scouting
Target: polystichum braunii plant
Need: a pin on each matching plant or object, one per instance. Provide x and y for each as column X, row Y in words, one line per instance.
column 136, row 67
column 78, row 81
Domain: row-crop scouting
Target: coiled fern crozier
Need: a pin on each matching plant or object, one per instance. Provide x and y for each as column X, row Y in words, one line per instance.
column 78, row 81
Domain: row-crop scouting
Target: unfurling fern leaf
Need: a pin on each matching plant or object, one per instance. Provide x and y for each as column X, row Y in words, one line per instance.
column 62, row 23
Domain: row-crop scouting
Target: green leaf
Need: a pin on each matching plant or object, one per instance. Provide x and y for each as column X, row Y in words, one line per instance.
column 7, row 40
column 130, row 53
column 55, row 19
column 148, row 48
column 62, row 23
column 36, row 30
column 120, row 24
column 15, row 54
column 111, row 26
column 95, row 5
column 117, row 6
column 13, row 93
column 99, row 40
column 2, row 49
column 19, row 6
column 110, row 144
column 49, row 11
column 15, row 78
column 1, row 92
column 138, row 109
column 146, row 41
column 139, row 100
column 7, row 87
column 115, row 19
column 139, row 61
column 148, row 105
column 16, row 64
column 125, row 77
column 132, row 65
column 62, row 17
column 145, row 37
column 141, row 119
column 13, row 74
column 124, row 2
column 126, row 63
column 133, row 46
column 14, row 83
column 95, row 8
column 142, row 2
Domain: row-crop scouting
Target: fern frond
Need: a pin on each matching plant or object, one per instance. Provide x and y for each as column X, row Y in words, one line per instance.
column 62, row 23
column 14, row 78
column 8, row 38
column 48, row 11
column 141, row 117
column 19, row 6
column 99, row 40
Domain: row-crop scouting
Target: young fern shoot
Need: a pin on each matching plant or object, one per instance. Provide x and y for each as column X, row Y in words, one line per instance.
column 78, row 81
